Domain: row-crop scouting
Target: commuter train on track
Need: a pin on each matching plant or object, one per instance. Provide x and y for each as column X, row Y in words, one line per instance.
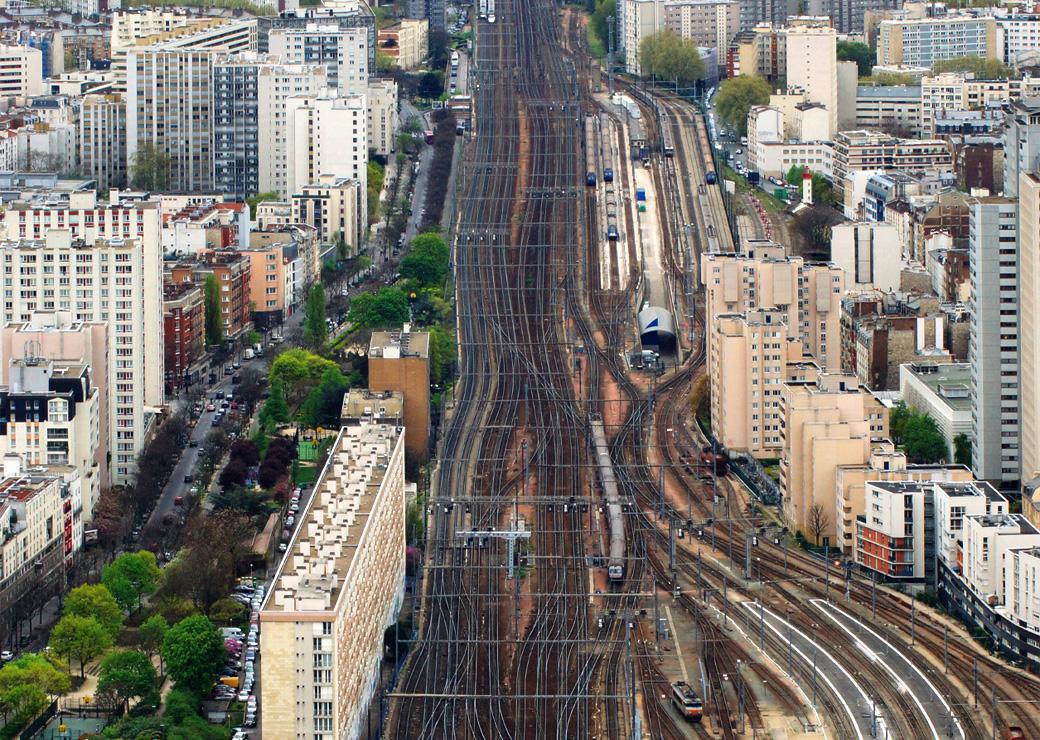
column 615, row 518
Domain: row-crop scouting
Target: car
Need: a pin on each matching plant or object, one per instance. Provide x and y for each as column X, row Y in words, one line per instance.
column 210, row 407
column 250, row 655
column 229, row 671
column 236, row 365
column 282, row 547
column 6, row 655
column 192, row 443
column 245, row 588
column 294, row 507
column 250, row 720
column 234, row 405
column 188, row 478
column 224, row 405
column 291, row 520
column 243, row 695
column 236, row 378
column 178, row 500
column 228, row 370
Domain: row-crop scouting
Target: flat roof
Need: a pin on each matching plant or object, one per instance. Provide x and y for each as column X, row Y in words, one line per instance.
column 331, row 528
column 395, row 344
column 949, row 382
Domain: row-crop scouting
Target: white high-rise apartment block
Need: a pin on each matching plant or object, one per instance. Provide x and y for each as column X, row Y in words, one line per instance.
column 343, row 50
column 99, row 280
column 1027, row 310
column 993, row 340
column 382, row 115
column 812, row 67
column 337, row 589
column 1021, row 141
column 21, row 71
column 328, row 135
column 275, row 85
column 102, row 140
column 112, row 274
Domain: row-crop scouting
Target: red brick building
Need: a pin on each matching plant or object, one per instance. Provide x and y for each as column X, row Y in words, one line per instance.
column 184, row 323
column 232, row 271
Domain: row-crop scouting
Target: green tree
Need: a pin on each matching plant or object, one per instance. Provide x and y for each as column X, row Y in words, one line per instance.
column 430, row 86
column 95, row 601
column 315, row 330
column 193, row 651
column 387, row 308
column 889, row 79
column 385, row 63
column 130, row 577
column 427, row 260
column 923, row 441
column 860, row 53
column 822, row 190
column 429, row 309
column 26, row 684
column 325, row 402
column 151, row 633
column 214, row 318
column 442, row 354
column 254, row 200
column 150, row 167
column 298, row 368
column 984, row 69
column 376, row 176
column 126, row 674
column 962, row 450
column 667, row 55
column 275, row 410
column 82, row 638
column 737, row 95
column 227, row 611
column 598, row 20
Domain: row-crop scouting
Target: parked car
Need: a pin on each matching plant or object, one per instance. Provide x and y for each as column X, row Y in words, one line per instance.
column 210, row 407
column 178, row 500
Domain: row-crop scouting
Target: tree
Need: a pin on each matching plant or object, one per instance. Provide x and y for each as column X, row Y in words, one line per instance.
column 275, row 410
column 430, row 86
column 214, row 318
column 890, row 79
column 193, row 651
column 324, row 404
column 202, row 574
column 315, row 330
column 814, row 226
column 598, row 20
column 442, row 354
column 126, row 674
column 150, row 167
column 860, row 53
column 923, row 441
column 227, row 611
column 429, row 309
column 822, row 190
column 984, row 69
column 737, row 95
column 427, row 260
column 818, row 522
column 246, row 451
column 234, row 474
column 82, row 638
column 387, row 308
column 254, row 200
column 298, row 370
column 95, row 601
column 962, row 449
column 130, row 577
column 151, row 633
column 26, row 684
column 376, row 176
column 669, row 56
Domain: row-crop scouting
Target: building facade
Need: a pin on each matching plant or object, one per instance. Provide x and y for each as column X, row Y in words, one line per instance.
column 184, row 334
column 102, row 140
column 921, row 42
column 400, row 361
column 343, row 51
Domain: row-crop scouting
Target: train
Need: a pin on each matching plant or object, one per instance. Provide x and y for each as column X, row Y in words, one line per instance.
column 687, row 702
column 590, row 151
column 715, row 459
column 486, row 10
column 610, row 206
column 615, row 517
column 711, row 178
column 606, row 149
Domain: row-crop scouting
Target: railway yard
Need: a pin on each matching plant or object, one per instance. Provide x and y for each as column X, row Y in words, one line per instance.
column 581, row 558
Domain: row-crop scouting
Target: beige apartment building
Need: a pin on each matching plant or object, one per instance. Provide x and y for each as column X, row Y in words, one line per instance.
column 921, row 42
column 885, row 463
column 406, row 42
column 400, row 361
column 338, row 587
column 828, row 422
column 812, row 68
column 861, row 150
column 267, row 284
column 1029, row 321
column 21, row 71
column 331, row 205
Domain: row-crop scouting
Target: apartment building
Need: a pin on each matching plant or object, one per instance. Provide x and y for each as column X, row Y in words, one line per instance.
column 943, row 391
column 250, row 125
column 710, row 24
column 1029, row 322
column 41, row 529
column 267, row 283
column 302, row 248
column 406, row 42
column 273, row 214
column 908, row 525
column 753, row 354
column 1021, row 141
column 994, row 338
column 921, row 42
column 21, row 71
column 847, row 15
column 170, row 102
column 69, row 345
column 328, row 135
column 812, row 68
column 827, row 422
column 102, row 140
column 184, row 335
column 337, row 589
column 861, row 150
column 382, row 116
column 232, row 273
column 347, row 14
column 400, row 361
column 869, row 253
column 895, row 109
column 114, row 280
column 344, row 52
column 332, row 206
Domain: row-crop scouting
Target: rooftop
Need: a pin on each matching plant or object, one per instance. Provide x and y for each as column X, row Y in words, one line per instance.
column 312, row 574
column 397, row 344
column 361, row 404
column 950, row 382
